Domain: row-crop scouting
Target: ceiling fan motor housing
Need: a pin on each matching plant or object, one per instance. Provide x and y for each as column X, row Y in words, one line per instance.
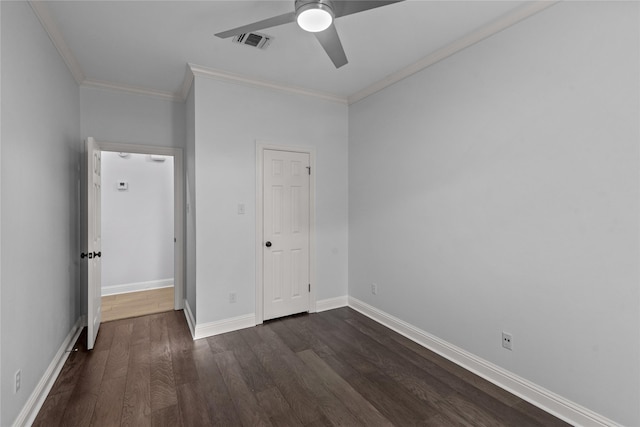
column 302, row 5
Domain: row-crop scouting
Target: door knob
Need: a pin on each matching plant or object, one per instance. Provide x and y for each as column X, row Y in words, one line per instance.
column 268, row 244
column 89, row 255
column 97, row 254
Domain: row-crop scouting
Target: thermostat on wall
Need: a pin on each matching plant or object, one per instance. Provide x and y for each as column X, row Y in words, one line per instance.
column 123, row 185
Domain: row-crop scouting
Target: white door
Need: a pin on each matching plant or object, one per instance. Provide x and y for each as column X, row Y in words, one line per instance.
column 94, row 243
column 286, row 209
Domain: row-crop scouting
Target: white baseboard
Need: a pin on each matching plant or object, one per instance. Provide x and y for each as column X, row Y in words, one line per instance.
column 136, row 287
column 30, row 410
column 191, row 321
column 223, row 326
column 331, row 303
column 550, row 402
column 246, row 321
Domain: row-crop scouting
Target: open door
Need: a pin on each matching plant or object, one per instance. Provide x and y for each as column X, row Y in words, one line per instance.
column 94, row 242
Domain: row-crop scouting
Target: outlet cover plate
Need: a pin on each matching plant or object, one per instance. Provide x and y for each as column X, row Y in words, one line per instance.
column 507, row 340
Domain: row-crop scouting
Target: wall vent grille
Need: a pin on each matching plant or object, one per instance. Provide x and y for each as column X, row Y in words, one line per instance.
column 261, row 41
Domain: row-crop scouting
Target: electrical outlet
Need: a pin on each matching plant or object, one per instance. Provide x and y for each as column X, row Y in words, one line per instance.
column 232, row 297
column 18, row 378
column 374, row 288
column 507, row 340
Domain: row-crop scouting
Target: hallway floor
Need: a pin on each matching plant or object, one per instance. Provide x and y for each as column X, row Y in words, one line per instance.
column 134, row 304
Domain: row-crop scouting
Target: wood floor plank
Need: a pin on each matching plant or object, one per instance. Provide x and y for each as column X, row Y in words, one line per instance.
column 220, row 406
column 303, row 405
column 320, row 422
column 79, row 409
column 542, row 417
column 250, row 412
column 118, row 361
column 273, row 402
column 81, row 404
column 136, row 406
column 332, row 407
column 333, row 368
column 167, row 417
column 162, row 382
column 68, row 377
column 256, row 378
column 353, row 358
column 108, row 409
column 193, row 411
column 182, row 346
column 217, row 343
column 141, row 331
column 92, row 372
column 300, row 326
column 392, row 400
column 52, row 410
column 358, row 405
column 290, row 338
column 105, row 336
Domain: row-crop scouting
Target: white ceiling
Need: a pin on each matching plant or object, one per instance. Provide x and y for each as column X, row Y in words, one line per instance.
column 148, row 44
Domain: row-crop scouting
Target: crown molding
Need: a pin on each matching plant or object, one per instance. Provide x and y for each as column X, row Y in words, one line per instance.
column 187, row 82
column 210, row 73
column 495, row 27
column 137, row 90
column 41, row 10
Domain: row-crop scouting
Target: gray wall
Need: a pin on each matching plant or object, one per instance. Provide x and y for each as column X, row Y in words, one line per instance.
column 137, row 223
column 498, row 190
column 40, row 247
column 190, row 160
column 0, row 214
column 229, row 118
column 115, row 116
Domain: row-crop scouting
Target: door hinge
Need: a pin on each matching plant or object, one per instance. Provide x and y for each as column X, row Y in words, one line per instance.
column 309, row 169
column 309, row 287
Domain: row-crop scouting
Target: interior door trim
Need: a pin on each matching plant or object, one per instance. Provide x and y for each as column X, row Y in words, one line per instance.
column 261, row 146
column 179, row 226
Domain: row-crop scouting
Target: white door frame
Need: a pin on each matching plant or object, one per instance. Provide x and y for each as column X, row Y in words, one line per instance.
column 178, row 206
column 260, row 147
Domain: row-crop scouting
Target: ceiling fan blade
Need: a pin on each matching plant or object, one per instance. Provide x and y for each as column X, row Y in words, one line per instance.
column 330, row 41
column 265, row 23
column 348, row 7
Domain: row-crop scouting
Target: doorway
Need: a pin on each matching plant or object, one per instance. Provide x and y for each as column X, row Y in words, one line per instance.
column 137, row 234
column 93, row 210
column 285, row 231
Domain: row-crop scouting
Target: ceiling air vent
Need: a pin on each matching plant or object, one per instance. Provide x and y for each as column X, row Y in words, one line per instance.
column 261, row 41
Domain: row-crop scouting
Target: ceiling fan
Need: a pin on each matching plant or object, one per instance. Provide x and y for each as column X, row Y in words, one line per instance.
column 316, row 16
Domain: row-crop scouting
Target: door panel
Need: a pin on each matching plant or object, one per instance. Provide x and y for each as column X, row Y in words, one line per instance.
column 94, row 241
column 286, row 209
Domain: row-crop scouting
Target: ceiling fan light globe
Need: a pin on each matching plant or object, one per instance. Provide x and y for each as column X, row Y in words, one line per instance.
column 314, row 18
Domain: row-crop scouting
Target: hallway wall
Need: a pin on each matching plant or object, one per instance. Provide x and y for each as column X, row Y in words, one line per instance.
column 137, row 223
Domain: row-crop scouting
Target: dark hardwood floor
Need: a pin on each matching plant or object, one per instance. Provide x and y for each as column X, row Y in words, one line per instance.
column 333, row 368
